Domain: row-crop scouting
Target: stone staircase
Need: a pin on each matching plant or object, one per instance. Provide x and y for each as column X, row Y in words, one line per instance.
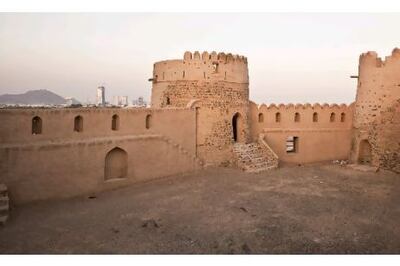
column 4, row 204
column 255, row 157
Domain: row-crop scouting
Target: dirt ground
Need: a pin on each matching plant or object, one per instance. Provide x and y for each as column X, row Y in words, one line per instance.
column 305, row 209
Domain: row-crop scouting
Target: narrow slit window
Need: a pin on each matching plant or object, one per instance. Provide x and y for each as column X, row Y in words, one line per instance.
column 36, row 125
column 115, row 122
column 332, row 117
column 78, row 124
column 260, row 117
column 148, row 121
column 215, row 67
column 278, row 117
column 315, row 117
column 296, row 117
column 342, row 117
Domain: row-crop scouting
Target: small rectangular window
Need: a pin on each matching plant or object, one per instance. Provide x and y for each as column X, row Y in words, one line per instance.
column 292, row 144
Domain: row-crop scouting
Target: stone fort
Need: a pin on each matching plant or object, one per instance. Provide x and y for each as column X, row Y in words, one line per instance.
column 200, row 116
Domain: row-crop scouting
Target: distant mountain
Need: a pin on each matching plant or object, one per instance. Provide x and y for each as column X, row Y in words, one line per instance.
column 35, row 97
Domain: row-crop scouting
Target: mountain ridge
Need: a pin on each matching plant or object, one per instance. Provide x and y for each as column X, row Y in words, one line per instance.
column 35, row 97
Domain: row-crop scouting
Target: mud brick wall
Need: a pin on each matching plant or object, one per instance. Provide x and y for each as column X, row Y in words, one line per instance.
column 376, row 109
column 216, row 85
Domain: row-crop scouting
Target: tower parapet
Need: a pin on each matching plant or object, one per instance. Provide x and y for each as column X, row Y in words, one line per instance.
column 371, row 58
column 203, row 67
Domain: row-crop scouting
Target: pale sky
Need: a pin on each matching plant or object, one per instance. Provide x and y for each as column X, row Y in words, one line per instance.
column 292, row 57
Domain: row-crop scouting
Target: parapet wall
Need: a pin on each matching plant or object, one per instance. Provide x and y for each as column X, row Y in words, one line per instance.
column 323, row 130
column 61, row 162
column 58, row 124
column 204, row 67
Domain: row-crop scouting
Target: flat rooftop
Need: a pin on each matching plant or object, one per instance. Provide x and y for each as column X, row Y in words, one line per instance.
column 321, row 208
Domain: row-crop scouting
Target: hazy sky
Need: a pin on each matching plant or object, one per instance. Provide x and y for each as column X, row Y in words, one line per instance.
column 293, row 57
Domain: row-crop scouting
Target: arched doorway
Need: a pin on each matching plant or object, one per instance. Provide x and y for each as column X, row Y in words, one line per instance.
column 116, row 164
column 237, row 126
column 364, row 152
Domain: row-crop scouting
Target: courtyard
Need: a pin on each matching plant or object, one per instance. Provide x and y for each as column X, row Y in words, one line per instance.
column 306, row 209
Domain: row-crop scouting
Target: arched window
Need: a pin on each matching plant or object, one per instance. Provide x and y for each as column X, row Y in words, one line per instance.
column 296, row 117
column 78, row 123
column 315, row 117
column 342, row 117
column 168, row 101
column 148, row 121
column 332, row 118
column 278, row 117
column 36, row 125
column 260, row 117
column 115, row 122
column 116, row 164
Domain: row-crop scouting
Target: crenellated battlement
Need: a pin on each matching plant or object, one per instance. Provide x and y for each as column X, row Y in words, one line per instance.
column 206, row 66
column 305, row 106
column 371, row 58
column 214, row 57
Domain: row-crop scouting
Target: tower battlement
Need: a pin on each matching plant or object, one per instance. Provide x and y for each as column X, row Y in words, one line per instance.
column 215, row 57
column 371, row 58
column 207, row 67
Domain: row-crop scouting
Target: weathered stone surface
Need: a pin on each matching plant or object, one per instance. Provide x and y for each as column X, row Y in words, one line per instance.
column 255, row 157
column 377, row 110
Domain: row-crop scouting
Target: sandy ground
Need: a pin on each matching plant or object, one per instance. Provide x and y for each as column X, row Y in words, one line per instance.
column 307, row 209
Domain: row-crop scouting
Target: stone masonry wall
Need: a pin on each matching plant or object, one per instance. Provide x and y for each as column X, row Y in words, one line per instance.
column 376, row 109
column 216, row 85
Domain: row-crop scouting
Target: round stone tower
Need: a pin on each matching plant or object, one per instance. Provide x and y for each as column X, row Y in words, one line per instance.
column 376, row 114
column 217, row 87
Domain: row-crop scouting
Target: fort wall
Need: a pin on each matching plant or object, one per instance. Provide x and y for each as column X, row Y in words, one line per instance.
column 323, row 132
column 200, row 109
column 375, row 117
column 61, row 162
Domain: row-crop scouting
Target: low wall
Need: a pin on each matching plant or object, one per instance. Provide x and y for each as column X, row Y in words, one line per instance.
column 61, row 163
column 323, row 131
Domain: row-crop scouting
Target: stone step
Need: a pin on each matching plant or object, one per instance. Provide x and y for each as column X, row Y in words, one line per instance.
column 254, row 157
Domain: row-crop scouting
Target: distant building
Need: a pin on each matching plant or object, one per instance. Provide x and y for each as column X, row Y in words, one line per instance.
column 139, row 102
column 101, row 96
column 68, row 101
column 120, row 100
